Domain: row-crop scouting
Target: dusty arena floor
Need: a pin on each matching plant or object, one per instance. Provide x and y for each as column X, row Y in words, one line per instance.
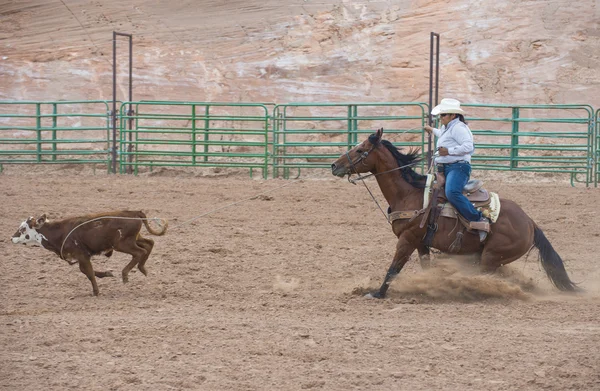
column 262, row 295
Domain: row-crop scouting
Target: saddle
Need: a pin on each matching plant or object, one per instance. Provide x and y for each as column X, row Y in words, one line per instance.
column 484, row 201
column 435, row 204
column 473, row 190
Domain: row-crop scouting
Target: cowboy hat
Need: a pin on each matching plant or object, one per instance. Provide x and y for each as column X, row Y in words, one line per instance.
column 447, row 106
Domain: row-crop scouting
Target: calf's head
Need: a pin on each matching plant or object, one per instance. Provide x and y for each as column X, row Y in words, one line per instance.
column 27, row 232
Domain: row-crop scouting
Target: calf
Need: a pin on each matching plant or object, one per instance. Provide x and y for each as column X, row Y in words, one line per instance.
column 77, row 239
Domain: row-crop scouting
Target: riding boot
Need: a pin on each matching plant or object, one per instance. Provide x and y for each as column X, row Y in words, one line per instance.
column 482, row 236
column 483, row 226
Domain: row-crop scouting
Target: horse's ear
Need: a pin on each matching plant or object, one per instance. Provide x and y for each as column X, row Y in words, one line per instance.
column 379, row 133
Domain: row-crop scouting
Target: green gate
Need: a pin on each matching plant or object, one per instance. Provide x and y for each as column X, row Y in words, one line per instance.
column 195, row 134
column 55, row 132
column 312, row 135
column 540, row 138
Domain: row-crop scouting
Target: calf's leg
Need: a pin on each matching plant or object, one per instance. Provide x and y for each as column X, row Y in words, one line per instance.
column 146, row 244
column 85, row 265
column 137, row 253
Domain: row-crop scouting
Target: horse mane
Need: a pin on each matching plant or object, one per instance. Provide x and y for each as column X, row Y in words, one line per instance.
column 412, row 157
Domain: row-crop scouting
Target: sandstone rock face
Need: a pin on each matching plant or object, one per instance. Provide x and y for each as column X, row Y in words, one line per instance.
column 280, row 51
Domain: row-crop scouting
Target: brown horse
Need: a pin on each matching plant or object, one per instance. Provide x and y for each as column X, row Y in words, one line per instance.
column 512, row 235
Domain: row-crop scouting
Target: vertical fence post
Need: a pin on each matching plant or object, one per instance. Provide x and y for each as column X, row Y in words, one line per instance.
column 514, row 139
column 276, row 122
column 129, row 112
column 114, row 109
column 350, row 137
column 267, row 124
column 38, row 129
column 194, row 135
column 434, row 37
column 354, row 123
column 596, row 146
column 206, row 135
column 54, row 121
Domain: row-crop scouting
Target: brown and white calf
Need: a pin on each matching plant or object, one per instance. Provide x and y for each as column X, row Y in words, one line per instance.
column 77, row 239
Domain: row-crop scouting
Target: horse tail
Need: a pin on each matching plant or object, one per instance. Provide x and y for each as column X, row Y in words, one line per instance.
column 552, row 263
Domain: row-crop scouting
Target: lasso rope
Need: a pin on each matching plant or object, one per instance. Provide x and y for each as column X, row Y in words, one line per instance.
column 159, row 220
column 293, row 181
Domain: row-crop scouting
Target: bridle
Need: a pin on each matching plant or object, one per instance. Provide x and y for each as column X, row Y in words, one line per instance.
column 361, row 159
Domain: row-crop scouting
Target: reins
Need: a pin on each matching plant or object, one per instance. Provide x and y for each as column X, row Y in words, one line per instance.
column 362, row 178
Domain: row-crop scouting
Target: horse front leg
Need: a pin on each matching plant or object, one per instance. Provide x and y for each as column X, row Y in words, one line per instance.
column 403, row 251
column 424, row 256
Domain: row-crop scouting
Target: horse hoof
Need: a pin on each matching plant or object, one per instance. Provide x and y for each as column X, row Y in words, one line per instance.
column 374, row 295
column 109, row 273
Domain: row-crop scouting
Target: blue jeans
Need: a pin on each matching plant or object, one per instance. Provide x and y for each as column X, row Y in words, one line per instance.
column 457, row 175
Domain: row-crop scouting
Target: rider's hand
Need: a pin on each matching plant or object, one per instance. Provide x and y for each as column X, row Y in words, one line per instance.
column 428, row 128
column 443, row 151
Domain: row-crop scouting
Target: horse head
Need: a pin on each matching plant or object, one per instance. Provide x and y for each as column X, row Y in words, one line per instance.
column 359, row 159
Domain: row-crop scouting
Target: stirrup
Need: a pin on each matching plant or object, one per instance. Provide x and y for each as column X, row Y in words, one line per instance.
column 483, row 225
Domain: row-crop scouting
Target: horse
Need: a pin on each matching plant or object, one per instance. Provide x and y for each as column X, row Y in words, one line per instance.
column 512, row 235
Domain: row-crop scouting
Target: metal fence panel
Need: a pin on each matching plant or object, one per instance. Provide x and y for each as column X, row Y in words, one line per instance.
column 58, row 132
column 195, row 134
column 311, row 135
column 540, row 138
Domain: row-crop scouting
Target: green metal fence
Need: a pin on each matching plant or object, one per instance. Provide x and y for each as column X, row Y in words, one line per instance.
column 540, row 138
column 596, row 154
column 54, row 132
column 287, row 138
column 194, row 134
column 311, row 135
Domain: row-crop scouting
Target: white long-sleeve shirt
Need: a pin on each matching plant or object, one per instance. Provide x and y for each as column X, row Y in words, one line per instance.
column 457, row 137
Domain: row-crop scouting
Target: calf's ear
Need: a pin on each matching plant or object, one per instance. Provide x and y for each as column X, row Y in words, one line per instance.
column 30, row 222
column 40, row 221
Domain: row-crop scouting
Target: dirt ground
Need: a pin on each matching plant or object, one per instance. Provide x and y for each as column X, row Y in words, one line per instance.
column 249, row 293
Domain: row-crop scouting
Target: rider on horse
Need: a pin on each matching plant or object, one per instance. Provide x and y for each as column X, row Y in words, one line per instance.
column 453, row 159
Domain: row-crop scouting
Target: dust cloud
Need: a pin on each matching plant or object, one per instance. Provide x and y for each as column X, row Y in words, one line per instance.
column 453, row 279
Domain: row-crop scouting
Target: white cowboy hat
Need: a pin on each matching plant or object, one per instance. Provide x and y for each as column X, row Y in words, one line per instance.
column 447, row 106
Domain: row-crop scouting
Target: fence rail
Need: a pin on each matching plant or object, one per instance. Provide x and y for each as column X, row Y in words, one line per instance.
column 287, row 138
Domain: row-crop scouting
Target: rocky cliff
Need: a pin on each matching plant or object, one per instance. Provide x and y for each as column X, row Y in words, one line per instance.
column 302, row 50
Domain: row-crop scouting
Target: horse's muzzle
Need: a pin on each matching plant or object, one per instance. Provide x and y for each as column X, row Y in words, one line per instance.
column 338, row 171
